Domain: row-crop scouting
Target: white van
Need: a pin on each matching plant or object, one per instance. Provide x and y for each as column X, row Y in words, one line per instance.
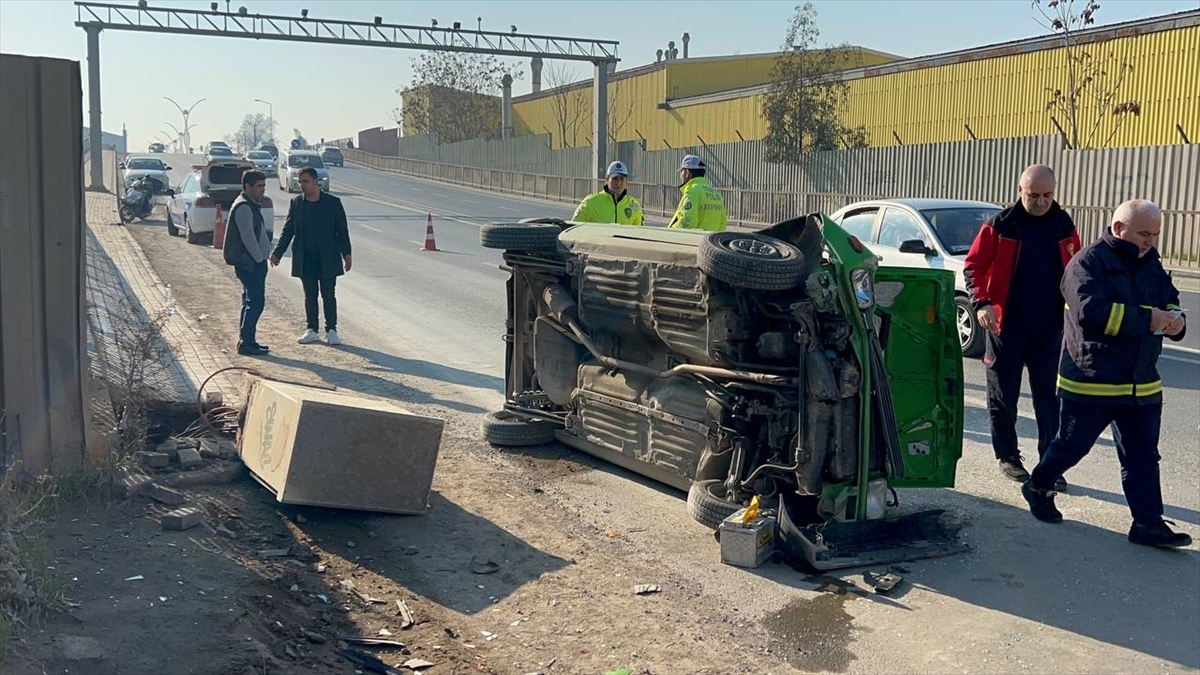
column 292, row 161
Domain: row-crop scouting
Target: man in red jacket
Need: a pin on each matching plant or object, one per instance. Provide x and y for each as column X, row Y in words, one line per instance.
column 1013, row 272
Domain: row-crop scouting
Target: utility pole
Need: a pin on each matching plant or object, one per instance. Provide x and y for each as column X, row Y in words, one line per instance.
column 271, row 114
column 186, row 112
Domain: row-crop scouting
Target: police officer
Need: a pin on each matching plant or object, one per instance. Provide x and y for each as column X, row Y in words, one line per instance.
column 613, row 204
column 1120, row 302
column 701, row 207
column 1013, row 272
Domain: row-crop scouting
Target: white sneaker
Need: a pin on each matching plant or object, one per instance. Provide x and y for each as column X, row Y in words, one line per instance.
column 310, row 336
column 332, row 337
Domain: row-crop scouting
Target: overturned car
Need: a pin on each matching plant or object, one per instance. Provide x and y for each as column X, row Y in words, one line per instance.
column 780, row 363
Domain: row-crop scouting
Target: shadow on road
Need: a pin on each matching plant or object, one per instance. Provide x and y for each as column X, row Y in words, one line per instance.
column 389, row 363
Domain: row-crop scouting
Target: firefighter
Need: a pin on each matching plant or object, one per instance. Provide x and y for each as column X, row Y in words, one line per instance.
column 1120, row 304
column 613, row 204
column 701, row 207
column 1013, row 271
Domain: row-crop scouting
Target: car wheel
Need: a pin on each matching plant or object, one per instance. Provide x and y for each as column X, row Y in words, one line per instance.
column 192, row 237
column 171, row 229
column 706, row 503
column 749, row 260
column 520, row 236
column 970, row 333
column 507, row 430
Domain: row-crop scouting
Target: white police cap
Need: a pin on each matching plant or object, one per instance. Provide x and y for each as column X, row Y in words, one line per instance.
column 617, row 169
column 692, row 162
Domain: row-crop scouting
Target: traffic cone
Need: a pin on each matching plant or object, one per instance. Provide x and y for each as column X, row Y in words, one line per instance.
column 430, row 244
column 219, row 230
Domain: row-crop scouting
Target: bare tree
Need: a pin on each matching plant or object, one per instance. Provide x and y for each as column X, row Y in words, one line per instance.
column 621, row 105
column 568, row 103
column 455, row 95
column 803, row 104
column 256, row 128
column 396, row 116
column 1090, row 103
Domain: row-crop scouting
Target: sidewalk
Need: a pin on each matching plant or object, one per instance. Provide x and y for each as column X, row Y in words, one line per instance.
column 120, row 278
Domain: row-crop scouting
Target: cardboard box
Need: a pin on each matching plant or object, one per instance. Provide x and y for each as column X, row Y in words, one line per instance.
column 329, row 448
column 747, row 544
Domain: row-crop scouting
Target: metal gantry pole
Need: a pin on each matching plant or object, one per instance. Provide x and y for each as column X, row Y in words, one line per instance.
column 600, row 120
column 271, row 116
column 96, row 132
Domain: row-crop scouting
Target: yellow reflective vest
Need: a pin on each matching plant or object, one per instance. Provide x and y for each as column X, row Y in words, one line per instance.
column 701, row 207
column 604, row 207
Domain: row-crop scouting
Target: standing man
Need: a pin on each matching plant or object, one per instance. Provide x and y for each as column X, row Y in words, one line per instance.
column 1121, row 302
column 1013, row 272
column 701, row 207
column 246, row 247
column 317, row 222
column 613, row 204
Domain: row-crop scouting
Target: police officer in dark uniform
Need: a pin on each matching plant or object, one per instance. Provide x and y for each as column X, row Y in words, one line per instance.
column 1120, row 304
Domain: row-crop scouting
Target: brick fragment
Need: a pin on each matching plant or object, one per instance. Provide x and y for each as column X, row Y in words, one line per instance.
column 134, row 484
column 166, row 495
column 182, row 519
column 155, row 460
column 189, row 458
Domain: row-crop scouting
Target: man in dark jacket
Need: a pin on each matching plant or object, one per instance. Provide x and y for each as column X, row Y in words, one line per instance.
column 246, row 247
column 1120, row 303
column 316, row 221
column 1013, row 272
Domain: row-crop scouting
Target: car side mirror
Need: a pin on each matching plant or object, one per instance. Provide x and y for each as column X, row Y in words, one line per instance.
column 168, row 168
column 121, row 165
column 916, row 246
column 170, row 192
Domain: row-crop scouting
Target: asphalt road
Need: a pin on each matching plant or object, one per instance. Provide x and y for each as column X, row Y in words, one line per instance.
column 1030, row 597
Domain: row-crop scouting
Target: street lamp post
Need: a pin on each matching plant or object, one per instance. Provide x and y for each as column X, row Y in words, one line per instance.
column 187, row 141
column 271, row 114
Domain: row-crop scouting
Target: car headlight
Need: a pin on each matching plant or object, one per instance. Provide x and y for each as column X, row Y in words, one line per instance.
column 864, row 287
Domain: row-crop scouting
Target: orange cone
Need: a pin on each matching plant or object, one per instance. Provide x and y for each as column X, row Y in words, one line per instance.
column 430, row 244
column 219, row 230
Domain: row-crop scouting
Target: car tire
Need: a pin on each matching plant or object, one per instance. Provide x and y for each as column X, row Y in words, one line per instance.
column 171, row 229
column 966, row 324
column 520, row 236
column 192, row 237
column 705, row 507
column 750, row 260
column 504, row 429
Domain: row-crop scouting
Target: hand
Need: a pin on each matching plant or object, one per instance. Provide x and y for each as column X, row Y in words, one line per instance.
column 274, row 260
column 987, row 319
column 348, row 261
column 1175, row 327
column 1160, row 319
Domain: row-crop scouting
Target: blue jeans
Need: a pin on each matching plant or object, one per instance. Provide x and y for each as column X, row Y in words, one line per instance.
column 254, row 298
column 1135, row 430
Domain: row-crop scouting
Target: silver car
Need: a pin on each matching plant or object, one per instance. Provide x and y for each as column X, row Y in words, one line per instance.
column 135, row 167
column 925, row 233
column 263, row 161
column 292, row 161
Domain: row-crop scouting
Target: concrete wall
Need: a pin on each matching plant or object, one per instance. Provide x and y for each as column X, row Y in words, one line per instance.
column 42, row 334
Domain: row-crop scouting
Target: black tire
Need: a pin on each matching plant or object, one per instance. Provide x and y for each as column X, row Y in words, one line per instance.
column 507, row 430
column 171, row 229
column 544, row 220
column 192, row 237
column 520, row 236
column 707, row 508
column 966, row 325
column 126, row 213
column 749, row 260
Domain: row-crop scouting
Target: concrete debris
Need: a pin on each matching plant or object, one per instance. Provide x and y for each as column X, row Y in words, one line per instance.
column 417, row 664
column 219, row 474
column 155, row 460
column 166, row 495
column 182, row 519
column 646, row 589
column 406, row 616
column 883, row 583
column 168, row 447
column 189, row 458
column 210, row 449
column 134, row 484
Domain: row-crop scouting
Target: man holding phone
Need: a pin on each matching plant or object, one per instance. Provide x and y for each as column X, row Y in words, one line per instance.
column 1120, row 304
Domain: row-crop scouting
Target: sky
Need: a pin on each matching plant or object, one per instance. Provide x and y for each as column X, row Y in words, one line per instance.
column 333, row 91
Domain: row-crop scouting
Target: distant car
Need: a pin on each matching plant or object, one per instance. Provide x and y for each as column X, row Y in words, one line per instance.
column 218, row 152
column 157, row 147
column 264, row 161
column 332, row 156
column 218, row 144
column 136, row 166
column 193, row 209
column 290, row 164
column 271, row 148
column 927, row 233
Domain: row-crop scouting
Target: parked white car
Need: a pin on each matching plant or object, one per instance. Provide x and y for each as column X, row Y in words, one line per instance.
column 193, row 209
column 136, row 166
column 264, row 160
column 925, row 233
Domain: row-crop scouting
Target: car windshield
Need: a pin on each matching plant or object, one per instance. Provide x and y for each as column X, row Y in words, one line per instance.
column 216, row 151
column 331, row 151
column 260, row 154
column 303, row 161
column 145, row 164
column 956, row 227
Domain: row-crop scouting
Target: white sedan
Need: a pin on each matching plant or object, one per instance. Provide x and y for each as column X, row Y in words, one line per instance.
column 193, row 209
column 135, row 167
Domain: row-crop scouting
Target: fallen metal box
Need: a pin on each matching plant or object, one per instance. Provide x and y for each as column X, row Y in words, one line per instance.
column 747, row 544
column 330, row 448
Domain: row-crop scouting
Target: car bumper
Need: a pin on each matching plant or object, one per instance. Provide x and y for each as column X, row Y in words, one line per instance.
column 203, row 220
column 293, row 183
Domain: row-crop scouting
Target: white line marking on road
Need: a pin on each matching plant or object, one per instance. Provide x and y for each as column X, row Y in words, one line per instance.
column 468, row 201
column 1189, row 350
column 1180, row 359
column 373, row 229
column 506, row 208
column 414, row 189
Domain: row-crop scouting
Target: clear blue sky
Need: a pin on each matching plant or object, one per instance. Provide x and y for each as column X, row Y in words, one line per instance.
column 334, row 91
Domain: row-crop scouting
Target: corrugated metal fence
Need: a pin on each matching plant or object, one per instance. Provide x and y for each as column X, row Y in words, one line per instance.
column 1091, row 182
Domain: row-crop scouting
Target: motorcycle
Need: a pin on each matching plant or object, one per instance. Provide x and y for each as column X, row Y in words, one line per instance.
column 138, row 201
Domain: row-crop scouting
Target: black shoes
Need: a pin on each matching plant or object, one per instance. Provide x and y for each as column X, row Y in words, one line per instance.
column 253, row 350
column 1158, row 535
column 1013, row 469
column 1041, row 504
column 1060, row 485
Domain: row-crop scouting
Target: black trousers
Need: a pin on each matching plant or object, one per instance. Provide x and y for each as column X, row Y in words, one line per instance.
column 1135, row 430
column 254, row 298
column 1007, row 356
column 326, row 288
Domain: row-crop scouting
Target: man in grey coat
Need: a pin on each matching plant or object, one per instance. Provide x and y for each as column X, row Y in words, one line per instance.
column 247, row 248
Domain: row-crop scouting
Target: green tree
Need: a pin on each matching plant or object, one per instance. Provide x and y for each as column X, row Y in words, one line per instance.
column 455, row 95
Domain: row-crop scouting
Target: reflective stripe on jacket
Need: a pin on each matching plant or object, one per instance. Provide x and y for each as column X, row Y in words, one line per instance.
column 701, row 207
column 605, row 207
column 1109, row 353
column 993, row 257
